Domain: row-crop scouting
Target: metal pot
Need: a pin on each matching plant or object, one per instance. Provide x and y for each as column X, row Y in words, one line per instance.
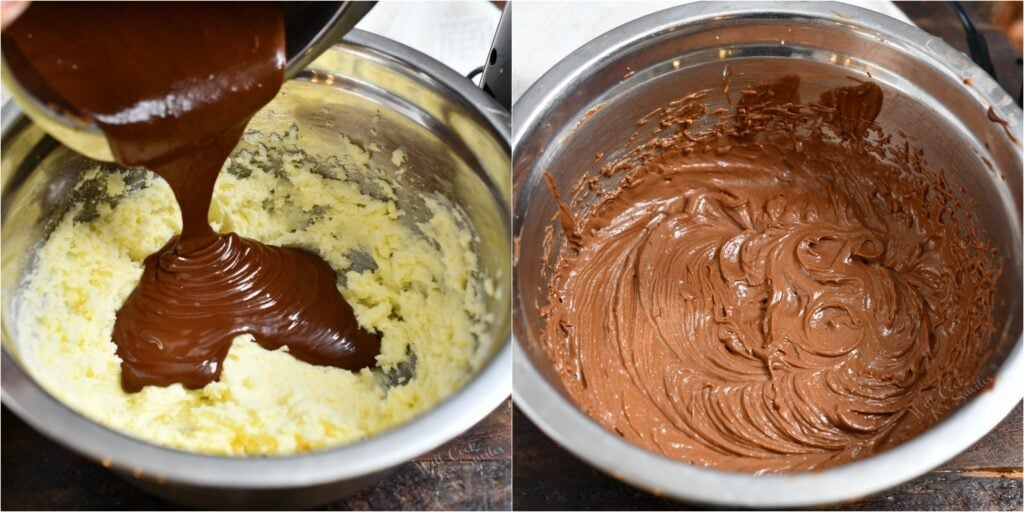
column 932, row 91
column 458, row 139
column 310, row 29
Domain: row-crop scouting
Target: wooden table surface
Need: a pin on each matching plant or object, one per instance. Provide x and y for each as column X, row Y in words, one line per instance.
column 472, row 472
column 985, row 477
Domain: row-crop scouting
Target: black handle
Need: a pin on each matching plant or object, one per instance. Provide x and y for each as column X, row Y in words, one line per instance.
column 497, row 79
column 976, row 44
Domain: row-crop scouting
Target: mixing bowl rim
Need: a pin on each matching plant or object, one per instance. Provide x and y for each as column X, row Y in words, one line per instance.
column 477, row 398
column 557, row 417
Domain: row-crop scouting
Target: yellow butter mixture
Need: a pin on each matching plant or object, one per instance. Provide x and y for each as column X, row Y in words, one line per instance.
column 412, row 276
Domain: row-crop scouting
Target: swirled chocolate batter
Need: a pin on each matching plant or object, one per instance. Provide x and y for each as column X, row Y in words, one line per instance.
column 783, row 289
column 173, row 85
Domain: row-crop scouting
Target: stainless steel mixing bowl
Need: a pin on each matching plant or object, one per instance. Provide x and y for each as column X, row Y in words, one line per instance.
column 588, row 103
column 457, row 142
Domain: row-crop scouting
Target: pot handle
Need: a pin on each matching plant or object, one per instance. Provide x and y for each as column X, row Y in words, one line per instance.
column 497, row 71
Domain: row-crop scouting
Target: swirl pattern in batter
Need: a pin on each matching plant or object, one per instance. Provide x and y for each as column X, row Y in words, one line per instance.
column 771, row 294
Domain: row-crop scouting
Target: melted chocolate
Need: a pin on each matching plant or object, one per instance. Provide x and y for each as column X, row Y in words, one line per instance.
column 173, row 85
column 780, row 290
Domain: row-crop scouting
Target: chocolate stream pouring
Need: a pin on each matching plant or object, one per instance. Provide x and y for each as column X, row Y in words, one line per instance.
column 173, row 86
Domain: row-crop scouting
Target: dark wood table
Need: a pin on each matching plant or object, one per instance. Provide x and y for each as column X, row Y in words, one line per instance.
column 985, row 477
column 472, row 472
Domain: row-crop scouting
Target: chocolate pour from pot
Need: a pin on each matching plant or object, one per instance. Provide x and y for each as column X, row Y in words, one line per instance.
column 172, row 86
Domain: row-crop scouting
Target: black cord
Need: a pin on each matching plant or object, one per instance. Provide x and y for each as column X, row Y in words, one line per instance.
column 475, row 72
column 976, row 44
column 1020, row 92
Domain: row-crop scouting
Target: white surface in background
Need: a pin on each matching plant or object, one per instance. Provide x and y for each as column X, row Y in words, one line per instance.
column 544, row 33
column 457, row 33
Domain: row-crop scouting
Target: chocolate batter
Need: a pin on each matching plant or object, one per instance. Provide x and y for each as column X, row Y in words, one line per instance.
column 173, row 85
column 779, row 289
